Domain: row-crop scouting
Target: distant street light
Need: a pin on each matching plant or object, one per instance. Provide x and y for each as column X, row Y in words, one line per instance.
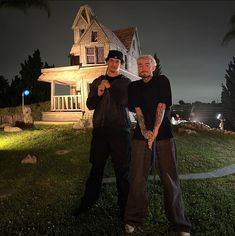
column 220, row 117
column 25, row 92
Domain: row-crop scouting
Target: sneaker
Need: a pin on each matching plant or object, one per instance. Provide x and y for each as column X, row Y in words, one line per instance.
column 184, row 234
column 129, row 229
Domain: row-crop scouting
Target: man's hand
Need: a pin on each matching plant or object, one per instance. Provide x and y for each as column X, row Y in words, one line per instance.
column 151, row 139
column 101, row 89
column 102, row 86
column 147, row 133
column 106, row 83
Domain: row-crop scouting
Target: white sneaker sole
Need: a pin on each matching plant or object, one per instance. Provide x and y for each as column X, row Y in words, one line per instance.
column 129, row 229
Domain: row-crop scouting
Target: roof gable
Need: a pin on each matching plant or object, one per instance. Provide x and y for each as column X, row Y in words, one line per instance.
column 86, row 13
column 111, row 37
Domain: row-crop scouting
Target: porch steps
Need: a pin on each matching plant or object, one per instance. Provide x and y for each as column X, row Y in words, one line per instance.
column 62, row 116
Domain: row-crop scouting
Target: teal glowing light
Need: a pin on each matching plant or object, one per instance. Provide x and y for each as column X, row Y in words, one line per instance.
column 26, row 92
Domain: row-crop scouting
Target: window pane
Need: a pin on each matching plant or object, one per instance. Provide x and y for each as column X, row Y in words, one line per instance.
column 100, row 55
column 90, row 51
column 90, row 59
column 94, row 36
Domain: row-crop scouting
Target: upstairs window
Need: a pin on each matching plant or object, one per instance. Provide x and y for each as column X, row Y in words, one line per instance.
column 94, row 36
column 90, row 55
column 95, row 55
column 99, row 55
column 81, row 31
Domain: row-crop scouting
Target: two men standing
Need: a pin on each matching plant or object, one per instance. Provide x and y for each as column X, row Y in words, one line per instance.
column 150, row 98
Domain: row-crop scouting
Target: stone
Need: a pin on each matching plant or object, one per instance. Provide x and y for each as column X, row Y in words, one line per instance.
column 62, row 152
column 79, row 125
column 12, row 129
column 29, row 159
column 2, row 126
column 7, row 119
column 28, row 119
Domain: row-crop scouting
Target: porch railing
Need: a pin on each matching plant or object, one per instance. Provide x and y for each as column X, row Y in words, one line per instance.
column 67, row 103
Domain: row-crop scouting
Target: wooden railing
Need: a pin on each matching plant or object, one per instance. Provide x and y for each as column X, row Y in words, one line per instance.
column 67, row 103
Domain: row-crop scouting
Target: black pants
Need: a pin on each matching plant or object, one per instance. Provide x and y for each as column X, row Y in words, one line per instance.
column 137, row 204
column 108, row 142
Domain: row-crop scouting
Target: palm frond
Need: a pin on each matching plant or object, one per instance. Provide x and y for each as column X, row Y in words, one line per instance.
column 231, row 34
column 24, row 5
column 232, row 20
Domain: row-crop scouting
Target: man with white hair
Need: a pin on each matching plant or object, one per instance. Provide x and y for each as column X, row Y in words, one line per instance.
column 150, row 98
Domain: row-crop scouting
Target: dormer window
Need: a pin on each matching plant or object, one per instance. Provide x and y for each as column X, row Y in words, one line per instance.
column 94, row 36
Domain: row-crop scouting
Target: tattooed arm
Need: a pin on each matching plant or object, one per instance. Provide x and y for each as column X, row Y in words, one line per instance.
column 158, row 120
column 140, row 118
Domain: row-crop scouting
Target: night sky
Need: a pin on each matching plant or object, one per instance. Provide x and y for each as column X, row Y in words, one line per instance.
column 186, row 35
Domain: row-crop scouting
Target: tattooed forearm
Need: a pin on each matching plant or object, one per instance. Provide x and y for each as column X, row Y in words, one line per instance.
column 140, row 119
column 159, row 115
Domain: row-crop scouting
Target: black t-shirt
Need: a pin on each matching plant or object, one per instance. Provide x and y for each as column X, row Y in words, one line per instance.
column 147, row 96
column 111, row 79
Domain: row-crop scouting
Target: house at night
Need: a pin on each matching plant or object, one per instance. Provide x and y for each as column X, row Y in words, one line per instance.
column 92, row 42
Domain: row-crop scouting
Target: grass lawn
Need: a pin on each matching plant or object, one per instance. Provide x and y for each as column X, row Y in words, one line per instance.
column 38, row 199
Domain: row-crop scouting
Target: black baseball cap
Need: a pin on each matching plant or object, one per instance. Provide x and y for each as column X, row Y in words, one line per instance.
column 115, row 54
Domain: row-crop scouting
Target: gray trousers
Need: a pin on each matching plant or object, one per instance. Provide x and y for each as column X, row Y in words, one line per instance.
column 137, row 204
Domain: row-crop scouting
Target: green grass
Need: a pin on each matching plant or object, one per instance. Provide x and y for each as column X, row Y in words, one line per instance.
column 38, row 199
column 205, row 151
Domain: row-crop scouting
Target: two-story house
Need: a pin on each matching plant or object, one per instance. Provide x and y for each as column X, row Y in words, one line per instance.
column 92, row 41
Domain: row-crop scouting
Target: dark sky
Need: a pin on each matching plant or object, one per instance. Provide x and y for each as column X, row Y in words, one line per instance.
column 186, row 35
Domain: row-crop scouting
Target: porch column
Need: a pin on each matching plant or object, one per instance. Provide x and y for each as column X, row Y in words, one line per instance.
column 83, row 101
column 52, row 94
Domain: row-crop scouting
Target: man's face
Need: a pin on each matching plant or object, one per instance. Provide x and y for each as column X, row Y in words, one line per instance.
column 145, row 68
column 113, row 65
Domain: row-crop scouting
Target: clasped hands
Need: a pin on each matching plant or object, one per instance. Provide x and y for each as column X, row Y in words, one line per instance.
column 150, row 136
column 102, row 86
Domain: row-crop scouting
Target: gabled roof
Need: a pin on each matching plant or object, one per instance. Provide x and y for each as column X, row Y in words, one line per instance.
column 126, row 36
column 109, row 34
column 86, row 13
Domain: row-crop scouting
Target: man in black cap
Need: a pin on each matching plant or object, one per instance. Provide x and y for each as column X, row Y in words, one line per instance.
column 111, row 133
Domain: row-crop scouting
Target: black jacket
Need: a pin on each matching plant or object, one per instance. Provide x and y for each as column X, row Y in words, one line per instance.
column 110, row 108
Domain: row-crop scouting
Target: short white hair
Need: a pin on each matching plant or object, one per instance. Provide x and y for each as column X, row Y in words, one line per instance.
column 149, row 57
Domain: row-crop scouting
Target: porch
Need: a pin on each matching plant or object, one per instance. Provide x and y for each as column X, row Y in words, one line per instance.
column 65, row 108
column 67, row 103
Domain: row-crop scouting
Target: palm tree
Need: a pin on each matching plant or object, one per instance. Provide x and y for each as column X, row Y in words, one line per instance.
column 24, row 5
column 231, row 34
